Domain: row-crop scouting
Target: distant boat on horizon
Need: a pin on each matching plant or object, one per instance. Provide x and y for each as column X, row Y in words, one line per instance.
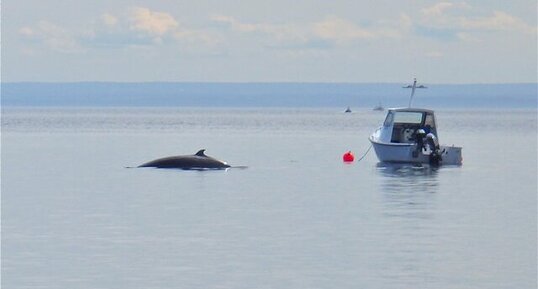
column 378, row 107
column 348, row 110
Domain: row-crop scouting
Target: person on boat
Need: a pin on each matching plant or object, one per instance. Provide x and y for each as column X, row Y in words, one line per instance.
column 433, row 144
column 420, row 135
column 432, row 140
column 428, row 142
column 427, row 129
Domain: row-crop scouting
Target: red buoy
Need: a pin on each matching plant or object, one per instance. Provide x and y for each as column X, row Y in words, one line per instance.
column 348, row 157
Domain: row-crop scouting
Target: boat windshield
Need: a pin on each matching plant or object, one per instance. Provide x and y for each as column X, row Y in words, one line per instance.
column 408, row 117
column 389, row 119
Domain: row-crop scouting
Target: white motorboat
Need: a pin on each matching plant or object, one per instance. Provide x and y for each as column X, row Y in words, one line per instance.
column 409, row 135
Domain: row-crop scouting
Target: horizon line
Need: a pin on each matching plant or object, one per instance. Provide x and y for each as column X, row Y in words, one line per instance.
column 255, row 82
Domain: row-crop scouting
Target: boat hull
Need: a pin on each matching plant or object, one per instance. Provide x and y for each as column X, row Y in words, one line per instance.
column 403, row 153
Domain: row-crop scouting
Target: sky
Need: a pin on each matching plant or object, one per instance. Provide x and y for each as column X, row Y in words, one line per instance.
column 360, row 41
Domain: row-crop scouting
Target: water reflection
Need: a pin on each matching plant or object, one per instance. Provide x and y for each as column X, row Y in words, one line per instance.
column 408, row 190
column 405, row 177
column 409, row 226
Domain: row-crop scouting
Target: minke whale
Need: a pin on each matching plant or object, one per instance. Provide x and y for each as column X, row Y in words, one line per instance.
column 198, row 161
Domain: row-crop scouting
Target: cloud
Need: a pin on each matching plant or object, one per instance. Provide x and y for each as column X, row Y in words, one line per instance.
column 434, row 54
column 340, row 30
column 109, row 19
column 52, row 36
column 318, row 34
column 443, row 15
column 153, row 23
column 135, row 27
column 144, row 24
column 273, row 35
column 277, row 31
column 442, row 7
column 499, row 21
column 436, row 9
column 236, row 25
column 26, row 31
column 460, row 19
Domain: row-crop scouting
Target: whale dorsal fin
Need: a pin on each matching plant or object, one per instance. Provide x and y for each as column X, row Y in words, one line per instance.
column 200, row 153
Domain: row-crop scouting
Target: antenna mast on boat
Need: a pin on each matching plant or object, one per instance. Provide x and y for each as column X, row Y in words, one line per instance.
column 413, row 87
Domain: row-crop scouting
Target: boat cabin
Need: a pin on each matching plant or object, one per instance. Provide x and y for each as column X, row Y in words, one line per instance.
column 401, row 124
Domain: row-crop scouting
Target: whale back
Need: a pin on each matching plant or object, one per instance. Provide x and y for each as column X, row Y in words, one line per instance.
column 187, row 162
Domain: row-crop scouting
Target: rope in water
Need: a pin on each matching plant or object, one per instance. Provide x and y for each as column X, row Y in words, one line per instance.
column 364, row 155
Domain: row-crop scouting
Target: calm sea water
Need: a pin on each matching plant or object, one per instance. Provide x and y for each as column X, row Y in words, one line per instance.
column 74, row 217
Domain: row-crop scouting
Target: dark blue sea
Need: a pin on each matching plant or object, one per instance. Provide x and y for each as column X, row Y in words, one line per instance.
column 73, row 216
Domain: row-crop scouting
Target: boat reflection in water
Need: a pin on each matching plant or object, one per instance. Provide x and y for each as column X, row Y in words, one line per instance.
column 408, row 190
column 410, row 226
